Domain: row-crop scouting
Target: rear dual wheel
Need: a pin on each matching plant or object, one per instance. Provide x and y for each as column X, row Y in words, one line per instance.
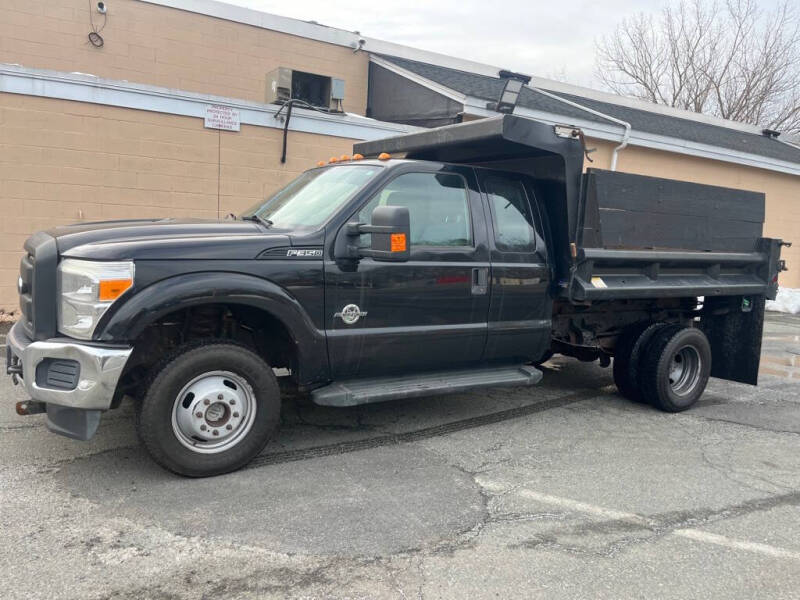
column 627, row 358
column 675, row 369
column 667, row 366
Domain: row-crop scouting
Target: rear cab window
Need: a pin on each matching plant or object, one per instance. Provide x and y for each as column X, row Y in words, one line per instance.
column 512, row 215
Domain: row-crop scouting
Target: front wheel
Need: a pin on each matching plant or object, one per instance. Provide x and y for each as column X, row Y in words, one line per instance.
column 675, row 368
column 210, row 408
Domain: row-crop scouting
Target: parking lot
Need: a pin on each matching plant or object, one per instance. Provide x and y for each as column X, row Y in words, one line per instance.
column 562, row 490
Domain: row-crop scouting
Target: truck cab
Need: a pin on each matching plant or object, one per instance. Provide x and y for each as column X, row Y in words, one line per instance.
column 458, row 265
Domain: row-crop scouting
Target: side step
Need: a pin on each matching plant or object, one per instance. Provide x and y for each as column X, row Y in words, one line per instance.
column 381, row 389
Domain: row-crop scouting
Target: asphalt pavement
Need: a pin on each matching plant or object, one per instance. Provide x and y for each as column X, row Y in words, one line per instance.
column 564, row 490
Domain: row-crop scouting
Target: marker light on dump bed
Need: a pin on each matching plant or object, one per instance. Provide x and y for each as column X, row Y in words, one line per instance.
column 321, row 163
column 333, row 159
column 384, row 156
column 358, row 157
column 344, row 157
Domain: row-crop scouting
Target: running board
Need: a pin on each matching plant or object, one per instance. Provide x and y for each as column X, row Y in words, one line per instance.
column 381, row 389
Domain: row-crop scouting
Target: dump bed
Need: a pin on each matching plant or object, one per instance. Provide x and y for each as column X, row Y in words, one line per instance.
column 615, row 235
column 649, row 237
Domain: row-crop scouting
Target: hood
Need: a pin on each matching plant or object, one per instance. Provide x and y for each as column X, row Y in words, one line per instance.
column 164, row 239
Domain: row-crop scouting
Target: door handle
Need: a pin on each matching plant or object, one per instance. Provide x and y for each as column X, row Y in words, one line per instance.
column 480, row 281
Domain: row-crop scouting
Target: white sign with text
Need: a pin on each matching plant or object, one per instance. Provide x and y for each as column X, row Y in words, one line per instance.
column 221, row 117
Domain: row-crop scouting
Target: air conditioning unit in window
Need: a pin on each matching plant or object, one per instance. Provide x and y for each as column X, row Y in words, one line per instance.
column 318, row 90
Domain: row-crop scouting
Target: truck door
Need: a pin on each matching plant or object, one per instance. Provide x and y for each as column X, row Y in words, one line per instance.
column 425, row 314
column 520, row 308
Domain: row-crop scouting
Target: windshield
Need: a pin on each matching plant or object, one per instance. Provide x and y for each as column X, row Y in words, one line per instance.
column 313, row 197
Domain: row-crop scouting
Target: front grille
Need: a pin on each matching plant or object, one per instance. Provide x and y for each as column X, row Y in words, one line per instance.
column 37, row 299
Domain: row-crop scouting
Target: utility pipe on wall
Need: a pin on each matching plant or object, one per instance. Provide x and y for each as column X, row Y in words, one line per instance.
column 626, row 135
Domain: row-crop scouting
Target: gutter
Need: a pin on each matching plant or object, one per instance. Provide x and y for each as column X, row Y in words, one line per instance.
column 626, row 135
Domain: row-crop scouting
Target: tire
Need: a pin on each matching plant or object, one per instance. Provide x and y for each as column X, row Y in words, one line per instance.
column 675, row 368
column 210, row 408
column 627, row 358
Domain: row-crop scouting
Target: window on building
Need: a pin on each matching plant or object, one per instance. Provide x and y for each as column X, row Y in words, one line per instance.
column 438, row 208
column 511, row 214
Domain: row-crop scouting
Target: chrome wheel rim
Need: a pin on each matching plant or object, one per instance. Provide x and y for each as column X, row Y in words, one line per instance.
column 213, row 412
column 684, row 371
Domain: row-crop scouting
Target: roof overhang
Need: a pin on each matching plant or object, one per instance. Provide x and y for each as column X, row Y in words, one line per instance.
column 82, row 87
column 602, row 131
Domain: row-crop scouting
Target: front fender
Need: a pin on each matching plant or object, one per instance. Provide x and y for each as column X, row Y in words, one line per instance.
column 127, row 321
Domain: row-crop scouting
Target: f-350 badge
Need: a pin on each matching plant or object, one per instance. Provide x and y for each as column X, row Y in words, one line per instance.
column 350, row 314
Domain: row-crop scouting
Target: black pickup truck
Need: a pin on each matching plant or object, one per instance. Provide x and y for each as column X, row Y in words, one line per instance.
column 463, row 260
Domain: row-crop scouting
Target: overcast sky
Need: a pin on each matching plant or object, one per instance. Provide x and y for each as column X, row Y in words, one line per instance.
column 545, row 38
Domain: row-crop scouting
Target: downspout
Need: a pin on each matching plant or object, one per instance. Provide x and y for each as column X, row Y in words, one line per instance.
column 625, row 136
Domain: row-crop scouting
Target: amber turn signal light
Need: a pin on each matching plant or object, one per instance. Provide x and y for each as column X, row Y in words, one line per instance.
column 111, row 289
column 398, row 242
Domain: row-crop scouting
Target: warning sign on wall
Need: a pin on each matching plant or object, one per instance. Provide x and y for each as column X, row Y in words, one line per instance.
column 221, row 117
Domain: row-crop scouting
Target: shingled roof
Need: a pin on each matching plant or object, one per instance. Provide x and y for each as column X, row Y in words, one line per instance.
column 489, row 88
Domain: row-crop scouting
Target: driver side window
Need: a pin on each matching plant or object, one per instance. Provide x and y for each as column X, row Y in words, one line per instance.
column 438, row 208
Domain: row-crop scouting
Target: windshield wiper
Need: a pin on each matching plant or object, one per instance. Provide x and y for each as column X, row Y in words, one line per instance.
column 254, row 217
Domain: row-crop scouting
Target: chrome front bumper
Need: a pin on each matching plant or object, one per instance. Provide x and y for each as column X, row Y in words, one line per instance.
column 99, row 370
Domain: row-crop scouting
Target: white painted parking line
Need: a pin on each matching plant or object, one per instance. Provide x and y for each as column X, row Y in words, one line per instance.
column 721, row 540
column 608, row 513
column 589, row 509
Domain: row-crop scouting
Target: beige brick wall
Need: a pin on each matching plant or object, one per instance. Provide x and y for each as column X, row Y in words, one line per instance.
column 782, row 190
column 146, row 43
column 63, row 162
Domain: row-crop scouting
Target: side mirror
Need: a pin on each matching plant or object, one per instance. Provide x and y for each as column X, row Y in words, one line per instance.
column 391, row 236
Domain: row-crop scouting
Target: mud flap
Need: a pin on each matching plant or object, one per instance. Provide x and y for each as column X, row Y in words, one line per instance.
column 734, row 326
column 75, row 423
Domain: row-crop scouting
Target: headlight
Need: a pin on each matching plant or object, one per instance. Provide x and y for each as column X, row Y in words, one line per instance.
column 86, row 289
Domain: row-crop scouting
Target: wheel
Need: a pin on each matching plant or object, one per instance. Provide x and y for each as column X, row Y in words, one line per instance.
column 627, row 358
column 675, row 368
column 209, row 409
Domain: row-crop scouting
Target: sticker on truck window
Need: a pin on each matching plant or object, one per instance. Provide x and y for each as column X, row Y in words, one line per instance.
column 598, row 282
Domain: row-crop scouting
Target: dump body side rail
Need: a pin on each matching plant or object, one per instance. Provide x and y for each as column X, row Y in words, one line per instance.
column 602, row 274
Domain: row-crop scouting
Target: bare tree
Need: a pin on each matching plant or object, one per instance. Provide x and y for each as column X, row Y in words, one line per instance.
column 730, row 59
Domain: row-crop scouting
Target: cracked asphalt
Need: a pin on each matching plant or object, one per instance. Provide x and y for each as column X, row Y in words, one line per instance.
column 564, row 490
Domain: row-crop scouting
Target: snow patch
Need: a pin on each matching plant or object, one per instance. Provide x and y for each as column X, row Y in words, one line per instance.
column 787, row 301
